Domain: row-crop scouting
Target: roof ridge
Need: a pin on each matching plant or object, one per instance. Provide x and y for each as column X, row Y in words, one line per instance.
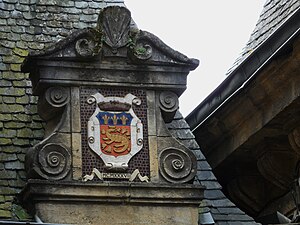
column 268, row 22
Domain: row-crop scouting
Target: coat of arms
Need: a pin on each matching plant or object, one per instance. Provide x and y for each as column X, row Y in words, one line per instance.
column 115, row 133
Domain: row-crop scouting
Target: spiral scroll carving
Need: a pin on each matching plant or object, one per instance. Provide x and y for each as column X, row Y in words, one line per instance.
column 168, row 104
column 177, row 165
column 85, row 47
column 57, row 96
column 142, row 51
column 168, row 101
column 54, row 161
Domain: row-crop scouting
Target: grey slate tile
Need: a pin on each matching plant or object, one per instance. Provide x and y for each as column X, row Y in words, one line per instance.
column 274, row 13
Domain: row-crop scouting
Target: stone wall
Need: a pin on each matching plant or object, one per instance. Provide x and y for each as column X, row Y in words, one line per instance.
column 27, row 25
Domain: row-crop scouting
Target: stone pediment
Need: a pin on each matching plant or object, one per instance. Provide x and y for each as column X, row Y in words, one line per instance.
column 114, row 39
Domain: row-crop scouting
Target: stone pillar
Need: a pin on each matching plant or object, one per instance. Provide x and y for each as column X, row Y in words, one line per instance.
column 106, row 95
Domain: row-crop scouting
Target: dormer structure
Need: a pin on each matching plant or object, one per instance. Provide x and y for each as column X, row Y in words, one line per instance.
column 107, row 94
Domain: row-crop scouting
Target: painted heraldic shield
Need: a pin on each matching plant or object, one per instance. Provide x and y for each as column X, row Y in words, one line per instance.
column 115, row 133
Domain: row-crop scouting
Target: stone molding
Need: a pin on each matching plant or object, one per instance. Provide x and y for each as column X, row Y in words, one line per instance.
column 93, row 202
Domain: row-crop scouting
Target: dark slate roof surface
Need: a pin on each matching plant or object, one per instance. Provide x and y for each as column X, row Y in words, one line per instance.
column 29, row 25
column 222, row 210
column 273, row 15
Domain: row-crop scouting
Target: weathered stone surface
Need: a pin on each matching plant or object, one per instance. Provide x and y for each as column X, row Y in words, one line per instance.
column 20, row 117
column 15, row 165
column 8, row 191
column 17, row 183
column 5, row 213
column 5, row 141
column 22, row 100
column 153, row 200
column 9, row 99
column 14, row 125
column 81, row 4
column 8, row 108
column 25, row 133
column 8, row 133
column 5, row 174
column 12, row 91
column 11, row 149
column 13, row 76
column 2, row 199
column 5, row 117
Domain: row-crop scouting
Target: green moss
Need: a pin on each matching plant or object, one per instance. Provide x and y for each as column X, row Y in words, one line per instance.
column 8, row 133
column 6, row 108
column 14, row 125
column 9, row 99
column 8, row 191
column 20, row 213
column 21, row 83
column 5, row 117
column 2, row 199
column 5, row 214
column 22, row 100
column 12, row 91
column 36, row 125
column 11, row 149
column 5, row 141
column 140, row 50
column 21, row 142
column 5, row 206
column 12, row 59
column 8, row 75
column 25, row 133
column 20, row 117
column 15, row 67
column 20, row 52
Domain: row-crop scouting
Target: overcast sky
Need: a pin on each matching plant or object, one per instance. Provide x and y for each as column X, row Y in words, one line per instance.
column 213, row 31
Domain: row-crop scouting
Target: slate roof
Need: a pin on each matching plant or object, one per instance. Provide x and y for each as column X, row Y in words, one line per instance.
column 28, row 25
column 222, row 210
column 273, row 15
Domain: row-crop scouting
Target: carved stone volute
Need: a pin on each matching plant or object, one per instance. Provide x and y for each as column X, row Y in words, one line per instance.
column 168, row 104
column 51, row 158
column 177, row 165
column 52, row 102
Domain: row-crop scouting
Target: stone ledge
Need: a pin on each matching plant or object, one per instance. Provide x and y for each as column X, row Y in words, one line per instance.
column 37, row 190
column 113, row 203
